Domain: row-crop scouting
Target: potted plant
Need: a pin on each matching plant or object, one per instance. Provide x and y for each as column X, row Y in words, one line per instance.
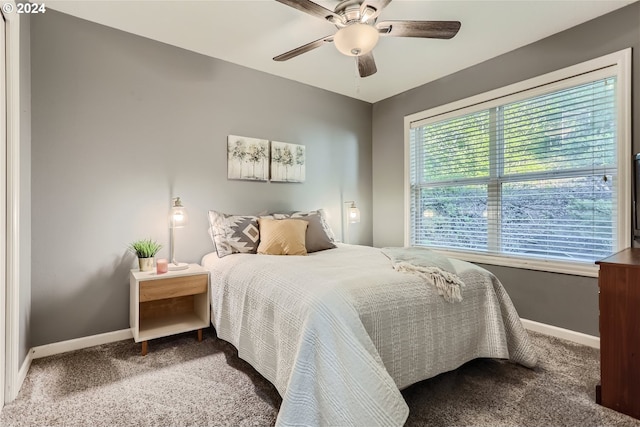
column 145, row 250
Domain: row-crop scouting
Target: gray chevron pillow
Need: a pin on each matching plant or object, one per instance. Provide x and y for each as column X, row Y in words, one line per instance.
column 232, row 234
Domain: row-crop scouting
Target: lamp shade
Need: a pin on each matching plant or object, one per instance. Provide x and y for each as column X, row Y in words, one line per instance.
column 356, row 39
column 178, row 216
column 354, row 214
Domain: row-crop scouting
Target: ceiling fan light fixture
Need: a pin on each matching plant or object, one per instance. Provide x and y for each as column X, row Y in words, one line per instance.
column 356, row 39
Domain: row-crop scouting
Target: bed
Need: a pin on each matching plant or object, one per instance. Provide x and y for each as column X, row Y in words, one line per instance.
column 340, row 332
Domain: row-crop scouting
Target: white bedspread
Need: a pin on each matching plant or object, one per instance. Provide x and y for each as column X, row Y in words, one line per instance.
column 339, row 332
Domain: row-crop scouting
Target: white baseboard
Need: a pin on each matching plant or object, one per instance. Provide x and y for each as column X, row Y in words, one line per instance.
column 124, row 334
column 567, row 334
column 79, row 343
column 22, row 373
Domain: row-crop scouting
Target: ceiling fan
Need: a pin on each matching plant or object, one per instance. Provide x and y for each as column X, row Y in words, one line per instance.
column 358, row 31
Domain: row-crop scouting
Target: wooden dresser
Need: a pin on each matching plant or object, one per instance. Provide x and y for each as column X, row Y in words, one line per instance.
column 619, row 282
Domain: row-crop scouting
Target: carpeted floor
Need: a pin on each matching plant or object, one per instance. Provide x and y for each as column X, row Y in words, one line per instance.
column 182, row 382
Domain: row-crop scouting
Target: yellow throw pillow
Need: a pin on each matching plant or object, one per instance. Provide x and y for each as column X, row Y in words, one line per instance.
column 282, row 236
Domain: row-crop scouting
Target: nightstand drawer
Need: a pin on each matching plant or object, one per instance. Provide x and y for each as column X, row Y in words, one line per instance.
column 152, row 290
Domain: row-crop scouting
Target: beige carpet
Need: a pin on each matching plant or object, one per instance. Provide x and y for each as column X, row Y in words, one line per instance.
column 185, row 383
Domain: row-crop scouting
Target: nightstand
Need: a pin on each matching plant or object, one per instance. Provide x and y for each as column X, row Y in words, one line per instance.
column 169, row 303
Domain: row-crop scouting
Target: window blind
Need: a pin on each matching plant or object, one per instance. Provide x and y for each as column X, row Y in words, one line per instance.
column 535, row 177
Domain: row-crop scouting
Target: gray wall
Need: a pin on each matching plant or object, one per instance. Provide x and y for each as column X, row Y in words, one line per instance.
column 557, row 299
column 120, row 124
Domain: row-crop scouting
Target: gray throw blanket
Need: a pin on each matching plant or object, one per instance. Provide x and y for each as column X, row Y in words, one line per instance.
column 432, row 267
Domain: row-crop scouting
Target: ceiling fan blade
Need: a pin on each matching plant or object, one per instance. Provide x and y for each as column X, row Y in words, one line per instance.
column 369, row 12
column 426, row 29
column 303, row 49
column 366, row 65
column 313, row 9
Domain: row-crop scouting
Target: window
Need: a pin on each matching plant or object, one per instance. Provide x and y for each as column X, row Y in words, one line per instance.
column 536, row 177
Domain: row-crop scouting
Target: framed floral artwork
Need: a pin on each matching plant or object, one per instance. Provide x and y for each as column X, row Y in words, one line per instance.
column 287, row 162
column 247, row 158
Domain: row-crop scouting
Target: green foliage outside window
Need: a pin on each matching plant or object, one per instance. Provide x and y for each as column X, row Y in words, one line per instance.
column 535, row 177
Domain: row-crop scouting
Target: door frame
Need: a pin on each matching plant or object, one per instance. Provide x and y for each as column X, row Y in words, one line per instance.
column 11, row 197
column 3, row 204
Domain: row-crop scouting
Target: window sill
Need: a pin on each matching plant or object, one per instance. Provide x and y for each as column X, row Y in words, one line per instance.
column 573, row 268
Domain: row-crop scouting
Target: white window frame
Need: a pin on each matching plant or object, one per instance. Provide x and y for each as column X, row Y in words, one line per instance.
column 616, row 64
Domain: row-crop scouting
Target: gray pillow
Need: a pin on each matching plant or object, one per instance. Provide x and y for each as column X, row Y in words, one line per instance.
column 319, row 235
column 232, row 234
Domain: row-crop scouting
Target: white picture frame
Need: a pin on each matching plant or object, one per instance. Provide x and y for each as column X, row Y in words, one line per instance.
column 247, row 158
column 288, row 162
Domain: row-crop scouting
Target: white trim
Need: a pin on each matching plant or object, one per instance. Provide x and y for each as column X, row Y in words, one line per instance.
column 3, row 210
column 625, row 172
column 24, row 369
column 407, row 182
column 12, row 337
column 503, row 260
column 587, row 66
column 620, row 63
column 80, row 343
column 567, row 334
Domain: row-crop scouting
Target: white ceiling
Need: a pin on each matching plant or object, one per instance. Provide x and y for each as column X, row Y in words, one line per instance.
column 251, row 33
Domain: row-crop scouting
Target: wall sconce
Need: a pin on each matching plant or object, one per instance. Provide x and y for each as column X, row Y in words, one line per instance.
column 353, row 217
column 178, row 218
column 354, row 213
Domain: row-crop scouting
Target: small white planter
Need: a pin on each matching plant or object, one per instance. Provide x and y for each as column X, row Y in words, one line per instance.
column 146, row 264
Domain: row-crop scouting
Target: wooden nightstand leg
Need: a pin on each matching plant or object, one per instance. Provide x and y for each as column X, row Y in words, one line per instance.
column 144, row 348
column 199, row 334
